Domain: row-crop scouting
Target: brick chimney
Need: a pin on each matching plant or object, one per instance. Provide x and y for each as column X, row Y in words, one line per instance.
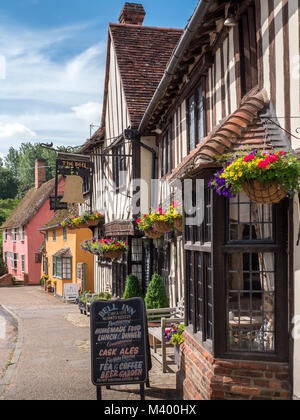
column 133, row 14
column 40, row 172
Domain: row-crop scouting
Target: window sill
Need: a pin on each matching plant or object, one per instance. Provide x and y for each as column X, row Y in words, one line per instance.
column 206, row 345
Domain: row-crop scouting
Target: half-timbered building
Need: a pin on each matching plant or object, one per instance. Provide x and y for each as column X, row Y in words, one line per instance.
column 233, row 84
column 137, row 56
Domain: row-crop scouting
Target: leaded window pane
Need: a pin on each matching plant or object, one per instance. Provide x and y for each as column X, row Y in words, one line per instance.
column 251, row 301
column 191, row 122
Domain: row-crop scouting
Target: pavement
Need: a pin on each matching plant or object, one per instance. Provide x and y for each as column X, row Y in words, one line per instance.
column 48, row 356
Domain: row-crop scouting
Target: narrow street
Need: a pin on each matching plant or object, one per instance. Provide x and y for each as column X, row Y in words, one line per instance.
column 54, row 361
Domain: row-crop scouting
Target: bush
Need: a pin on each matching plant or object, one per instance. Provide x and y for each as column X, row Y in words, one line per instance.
column 133, row 288
column 3, row 267
column 156, row 296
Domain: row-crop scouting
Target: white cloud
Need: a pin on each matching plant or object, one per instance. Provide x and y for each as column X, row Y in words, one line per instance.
column 89, row 112
column 15, row 130
column 46, row 96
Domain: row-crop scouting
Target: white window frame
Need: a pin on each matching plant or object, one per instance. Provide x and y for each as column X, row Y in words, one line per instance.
column 23, row 263
column 14, row 233
column 22, row 234
column 14, row 261
column 5, row 235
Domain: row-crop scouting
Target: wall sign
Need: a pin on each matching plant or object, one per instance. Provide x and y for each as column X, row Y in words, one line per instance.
column 119, row 342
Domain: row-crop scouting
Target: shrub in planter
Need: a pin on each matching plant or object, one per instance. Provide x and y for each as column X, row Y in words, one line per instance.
column 265, row 177
column 156, row 296
column 133, row 288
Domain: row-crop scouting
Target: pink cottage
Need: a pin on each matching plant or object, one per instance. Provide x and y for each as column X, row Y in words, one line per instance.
column 21, row 237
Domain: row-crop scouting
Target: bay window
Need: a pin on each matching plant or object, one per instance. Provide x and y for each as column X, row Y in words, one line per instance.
column 236, row 278
column 62, row 268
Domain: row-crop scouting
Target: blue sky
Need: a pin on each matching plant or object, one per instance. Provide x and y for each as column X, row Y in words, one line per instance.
column 55, row 53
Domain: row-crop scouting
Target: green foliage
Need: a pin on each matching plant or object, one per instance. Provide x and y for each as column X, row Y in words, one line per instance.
column 3, row 268
column 6, row 208
column 156, row 296
column 8, row 184
column 20, row 162
column 133, row 288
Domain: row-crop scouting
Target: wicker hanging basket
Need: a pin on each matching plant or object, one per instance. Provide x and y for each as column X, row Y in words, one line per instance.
column 162, row 227
column 151, row 233
column 113, row 254
column 264, row 194
column 92, row 222
column 178, row 224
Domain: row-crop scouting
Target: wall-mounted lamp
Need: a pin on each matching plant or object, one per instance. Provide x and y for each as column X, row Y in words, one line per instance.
column 231, row 19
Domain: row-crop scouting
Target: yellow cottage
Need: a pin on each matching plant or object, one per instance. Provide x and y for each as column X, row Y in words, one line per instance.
column 63, row 260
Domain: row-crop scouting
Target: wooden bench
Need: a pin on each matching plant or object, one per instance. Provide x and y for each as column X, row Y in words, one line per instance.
column 166, row 317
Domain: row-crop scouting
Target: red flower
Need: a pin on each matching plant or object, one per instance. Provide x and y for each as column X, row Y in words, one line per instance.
column 138, row 220
column 248, row 158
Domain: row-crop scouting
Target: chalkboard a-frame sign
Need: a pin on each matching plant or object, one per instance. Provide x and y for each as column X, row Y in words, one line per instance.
column 119, row 342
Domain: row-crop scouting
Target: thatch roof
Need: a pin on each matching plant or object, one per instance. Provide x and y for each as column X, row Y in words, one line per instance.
column 29, row 206
column 59, row 217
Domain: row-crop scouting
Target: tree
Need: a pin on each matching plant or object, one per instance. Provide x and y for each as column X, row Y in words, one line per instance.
column 156, row 296
column 8, row 184
column 133, row 288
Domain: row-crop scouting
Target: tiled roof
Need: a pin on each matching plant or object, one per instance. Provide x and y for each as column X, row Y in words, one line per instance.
column 63, row 253
column 142, row 55
column 245, row 129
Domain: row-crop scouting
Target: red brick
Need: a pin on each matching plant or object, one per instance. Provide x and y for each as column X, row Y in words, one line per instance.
column 261, row 382
column 244, row 390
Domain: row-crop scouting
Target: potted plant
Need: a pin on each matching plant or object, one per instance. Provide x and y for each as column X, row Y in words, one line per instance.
column 133, row 288
column 161, row 220
column 174, row 335
column 106, row 248
column 267, row 178
column 49, row 286
column 54, row 287
column 177, row 216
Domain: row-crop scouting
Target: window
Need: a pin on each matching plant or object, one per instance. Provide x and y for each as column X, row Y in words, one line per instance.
column 5, row 258
column 46, row 236
column 14, row 235
column 236, row 278
column 65, row 234
column 14, row 261
column 199, row 285
column 195, row 118
column 54, row 235
column 248, row 50
column 62, row 268
column 119, row 166
column 5, row 235
column 166, row 157
column 23, row 263
column 22, row 234
column 251, row 277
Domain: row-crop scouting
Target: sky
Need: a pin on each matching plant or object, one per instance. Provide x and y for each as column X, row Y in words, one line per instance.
column 52, row 64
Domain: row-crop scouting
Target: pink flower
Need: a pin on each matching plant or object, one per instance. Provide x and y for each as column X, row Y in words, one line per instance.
column 248, row 158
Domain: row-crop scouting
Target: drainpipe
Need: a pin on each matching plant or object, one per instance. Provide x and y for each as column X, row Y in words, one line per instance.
column 193, row 25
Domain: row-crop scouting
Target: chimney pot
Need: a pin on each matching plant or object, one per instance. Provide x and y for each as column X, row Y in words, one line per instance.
column 40, row 172
column 132, row 14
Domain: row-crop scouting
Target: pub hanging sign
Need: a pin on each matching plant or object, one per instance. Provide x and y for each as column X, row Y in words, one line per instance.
column 119, row 342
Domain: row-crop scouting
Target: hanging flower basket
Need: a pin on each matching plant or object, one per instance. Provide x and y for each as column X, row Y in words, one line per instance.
column 105, row 248
column 178, row 224
column 162, row 227
column 151, row 233
column 86, row 220
column 113, row 254
column 264, row 194
column 267, row 178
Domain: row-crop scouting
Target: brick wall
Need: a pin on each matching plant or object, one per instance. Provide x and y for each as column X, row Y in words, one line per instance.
column 6, row 280
column 201, row 377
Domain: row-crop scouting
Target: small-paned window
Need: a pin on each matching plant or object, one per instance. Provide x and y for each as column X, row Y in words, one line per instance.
column 22, row 234
column 54, row 235
column 65, row 234
column 5, row 235
column 14, row 235
column 166, row 160
column 195, row 118
column 23, row 263
column 119, row 166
